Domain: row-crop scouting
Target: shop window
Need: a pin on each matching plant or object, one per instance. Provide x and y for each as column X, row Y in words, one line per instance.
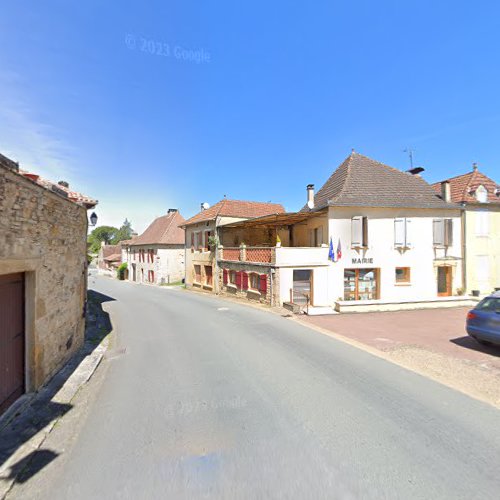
column 197, row 273
column 402, row 275
column 361, row 284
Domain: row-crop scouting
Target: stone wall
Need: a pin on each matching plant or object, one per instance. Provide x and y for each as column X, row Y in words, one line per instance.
column 248, row 294
column 44, row 235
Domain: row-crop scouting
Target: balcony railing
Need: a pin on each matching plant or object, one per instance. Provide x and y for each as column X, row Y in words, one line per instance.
column 276, row 255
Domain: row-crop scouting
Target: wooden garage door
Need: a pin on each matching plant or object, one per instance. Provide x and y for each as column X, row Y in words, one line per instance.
column 11, row 338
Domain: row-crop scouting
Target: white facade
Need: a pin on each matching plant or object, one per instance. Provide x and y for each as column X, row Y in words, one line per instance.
column 155, row 264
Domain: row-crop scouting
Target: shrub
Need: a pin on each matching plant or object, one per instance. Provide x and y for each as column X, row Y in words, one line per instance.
column 120, row 272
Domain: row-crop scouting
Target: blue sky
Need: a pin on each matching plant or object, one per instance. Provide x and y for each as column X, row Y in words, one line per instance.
column 282, row 95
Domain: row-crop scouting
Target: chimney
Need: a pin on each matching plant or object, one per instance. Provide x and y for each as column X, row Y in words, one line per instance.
column 445, row 191
column 171, row 210
column 474, row 167
column 310, row 196
column 63, row 184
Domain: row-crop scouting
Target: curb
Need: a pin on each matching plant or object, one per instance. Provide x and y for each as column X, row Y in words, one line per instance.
column 80, row 376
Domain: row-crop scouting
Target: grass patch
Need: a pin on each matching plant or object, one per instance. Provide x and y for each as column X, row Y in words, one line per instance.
column 174, row 283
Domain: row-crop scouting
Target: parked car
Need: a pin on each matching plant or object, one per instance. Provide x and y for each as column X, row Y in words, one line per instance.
column 483, row 322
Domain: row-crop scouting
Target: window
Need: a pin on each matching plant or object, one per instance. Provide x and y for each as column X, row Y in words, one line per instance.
column 442, row 232
column 482, row 224
column 206, row 244
column 197, row 273
column 232, row 277
column 151, row 276
column 196, row 242
column 361, row 284
column 402, row 233
column 316, row 237
column 359, row 232
column 482, row 194
column 208, row 276
column 254, row 281
column 402, row 275
column 489, row 304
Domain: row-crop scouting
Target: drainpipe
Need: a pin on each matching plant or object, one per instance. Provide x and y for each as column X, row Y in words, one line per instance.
column 185, row 253
column 271, row 284
column 216, row 257
column 464, row 250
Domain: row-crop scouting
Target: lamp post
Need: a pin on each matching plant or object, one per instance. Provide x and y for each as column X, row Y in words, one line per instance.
column 93, row 219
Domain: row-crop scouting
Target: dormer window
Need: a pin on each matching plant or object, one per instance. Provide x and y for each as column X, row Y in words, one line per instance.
column 481, row 194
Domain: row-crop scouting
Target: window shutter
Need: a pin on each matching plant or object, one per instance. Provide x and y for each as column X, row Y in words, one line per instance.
column 238, row 279
column 408, row 236
column 192, row 240
column 365, row 232
column 448, row 232
column 263, row 284
column 438, row 232
column 399, row 232
column 356, row 231
column 311, row 237
column 224, row 276
column 244, row 281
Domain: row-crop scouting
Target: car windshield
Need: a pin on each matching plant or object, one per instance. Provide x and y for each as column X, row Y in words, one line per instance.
column 489, row 304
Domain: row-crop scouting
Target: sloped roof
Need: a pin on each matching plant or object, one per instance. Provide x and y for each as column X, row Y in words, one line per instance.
column 108, row 250
column 236, row 208
column 57, row 188
column 463, row 187
column 164, row 230
column 363, row 182
column 115, row 257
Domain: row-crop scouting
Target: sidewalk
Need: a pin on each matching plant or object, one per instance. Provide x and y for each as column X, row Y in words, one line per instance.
column 432, row 342
column 24, row 429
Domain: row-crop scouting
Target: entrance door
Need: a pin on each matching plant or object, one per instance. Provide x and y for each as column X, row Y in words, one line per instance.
column 11, row 339
column 302, row 286
column 444, row 281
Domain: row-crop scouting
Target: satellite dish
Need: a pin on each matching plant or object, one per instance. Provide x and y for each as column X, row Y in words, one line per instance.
column 310, row 204
column 206, row 206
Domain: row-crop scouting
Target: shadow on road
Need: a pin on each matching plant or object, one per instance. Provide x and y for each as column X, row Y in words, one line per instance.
column 470, row 343
column 18, row 429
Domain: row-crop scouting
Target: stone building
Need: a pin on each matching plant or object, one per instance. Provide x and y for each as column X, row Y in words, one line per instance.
column 108, row 259
column 479, row 195
column 157, row 255
column 202, row 239
column 43, row 278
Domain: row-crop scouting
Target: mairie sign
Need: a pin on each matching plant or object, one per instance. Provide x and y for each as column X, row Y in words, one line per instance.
column 362, row 260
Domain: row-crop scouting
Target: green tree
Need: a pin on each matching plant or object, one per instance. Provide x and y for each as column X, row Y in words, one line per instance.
column 100, row 234
column 124, row 233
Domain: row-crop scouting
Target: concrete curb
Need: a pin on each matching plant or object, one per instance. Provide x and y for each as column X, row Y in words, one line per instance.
column 64, row 395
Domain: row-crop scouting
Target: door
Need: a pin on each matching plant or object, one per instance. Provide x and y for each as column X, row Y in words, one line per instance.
column 302, row 286
column 11, row 339
column 444, row 281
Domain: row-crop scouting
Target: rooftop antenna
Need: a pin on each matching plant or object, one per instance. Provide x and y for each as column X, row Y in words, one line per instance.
column 410, row 154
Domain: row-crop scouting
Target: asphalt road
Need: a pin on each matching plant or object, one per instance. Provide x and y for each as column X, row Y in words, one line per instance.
column 213, row 399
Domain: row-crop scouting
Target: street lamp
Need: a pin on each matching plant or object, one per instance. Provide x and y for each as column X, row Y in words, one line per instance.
column 93, row 219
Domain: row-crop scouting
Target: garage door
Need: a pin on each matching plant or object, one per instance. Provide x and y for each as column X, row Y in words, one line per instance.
column 11, row 339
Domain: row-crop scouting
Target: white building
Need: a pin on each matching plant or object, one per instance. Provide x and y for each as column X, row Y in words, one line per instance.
column 157, row 255
column 372, row 238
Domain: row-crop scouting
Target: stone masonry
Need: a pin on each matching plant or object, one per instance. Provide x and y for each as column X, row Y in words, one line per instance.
column 44, row 235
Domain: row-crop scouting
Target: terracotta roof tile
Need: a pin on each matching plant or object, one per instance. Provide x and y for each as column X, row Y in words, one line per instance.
column 463, row 187
column 164, row 230
column 236, row 208
column 361, row 181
